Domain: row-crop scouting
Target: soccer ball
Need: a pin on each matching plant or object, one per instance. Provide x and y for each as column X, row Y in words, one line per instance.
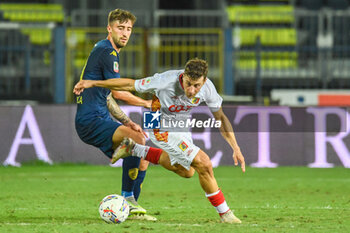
column 114, row 209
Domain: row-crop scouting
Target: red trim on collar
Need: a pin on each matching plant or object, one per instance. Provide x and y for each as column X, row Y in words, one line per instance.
column 180, row 80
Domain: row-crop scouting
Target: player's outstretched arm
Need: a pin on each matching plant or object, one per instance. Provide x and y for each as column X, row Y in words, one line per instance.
column 227, row 132
column 131, row 99
column 118, row 114
column 119, row 84
column 115, row 110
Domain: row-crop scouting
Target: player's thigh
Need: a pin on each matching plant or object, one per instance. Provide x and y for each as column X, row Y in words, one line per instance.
column 179, row 147
column 164, row 160
column 122, row 132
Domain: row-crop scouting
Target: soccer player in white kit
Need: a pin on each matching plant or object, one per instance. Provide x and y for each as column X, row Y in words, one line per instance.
column 176, row 93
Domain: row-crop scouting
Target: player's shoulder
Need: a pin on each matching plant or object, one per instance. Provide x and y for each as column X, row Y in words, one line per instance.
column 105, row 47
column 103, row 44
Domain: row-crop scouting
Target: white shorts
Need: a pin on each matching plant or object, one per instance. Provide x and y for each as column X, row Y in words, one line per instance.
column 179, row 147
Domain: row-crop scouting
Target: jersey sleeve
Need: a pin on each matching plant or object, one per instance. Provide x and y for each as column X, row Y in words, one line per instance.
column 212, row 98
column 149, row 84
column 109, row 63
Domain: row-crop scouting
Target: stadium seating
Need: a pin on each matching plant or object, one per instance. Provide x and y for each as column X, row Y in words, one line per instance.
column 268, row 36
column 272, row 23
column 311, row 4
column 32, row 12
column 317, row 5
column 257, row 14
column 34, row 21
column 38, row 36
column 77, row 38
column 269, row 60
column 337, row 4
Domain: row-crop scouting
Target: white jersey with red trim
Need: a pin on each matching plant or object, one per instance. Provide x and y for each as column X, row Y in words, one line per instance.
column 174, row 104
column 168, row 88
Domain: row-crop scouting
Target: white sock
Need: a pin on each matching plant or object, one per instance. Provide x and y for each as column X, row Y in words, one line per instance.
column 222, row 208
column 217, row 199
column 140, row 151
column 212, row 194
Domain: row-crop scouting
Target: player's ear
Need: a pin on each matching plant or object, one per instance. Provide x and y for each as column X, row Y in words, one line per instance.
column 109, row 29
column 204, row 79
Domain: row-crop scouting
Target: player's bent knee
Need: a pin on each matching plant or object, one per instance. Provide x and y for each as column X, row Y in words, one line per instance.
column 137, row 137
column 183, row 172
column 187, row 174
column 140, row 139
column 202, row 163
column 190, row 173
column 205, row 167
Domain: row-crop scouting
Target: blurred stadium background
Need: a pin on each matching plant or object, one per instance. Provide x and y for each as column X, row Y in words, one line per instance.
column 253, row 47
column 260, row 52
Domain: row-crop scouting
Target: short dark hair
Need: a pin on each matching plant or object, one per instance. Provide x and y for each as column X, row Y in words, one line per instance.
column 120, row 15
column 196, row 68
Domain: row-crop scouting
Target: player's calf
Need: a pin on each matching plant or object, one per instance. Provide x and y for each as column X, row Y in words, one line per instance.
column 203, row 166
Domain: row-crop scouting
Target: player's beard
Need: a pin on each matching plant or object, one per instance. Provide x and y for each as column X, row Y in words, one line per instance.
column 119, row 44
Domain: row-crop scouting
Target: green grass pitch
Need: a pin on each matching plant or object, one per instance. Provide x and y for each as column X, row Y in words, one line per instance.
column 65, row 198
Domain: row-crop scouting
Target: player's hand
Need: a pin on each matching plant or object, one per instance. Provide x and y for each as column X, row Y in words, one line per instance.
column 238, row 157
column 81, row 85
column 136, row 127
column 148, row 104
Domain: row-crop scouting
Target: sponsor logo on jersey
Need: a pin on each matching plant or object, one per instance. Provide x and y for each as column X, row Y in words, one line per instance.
column 114, row 53
column 183, row 146
column 195, row 100
column 145, row 81
column 116, row 67
column 179, row 108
